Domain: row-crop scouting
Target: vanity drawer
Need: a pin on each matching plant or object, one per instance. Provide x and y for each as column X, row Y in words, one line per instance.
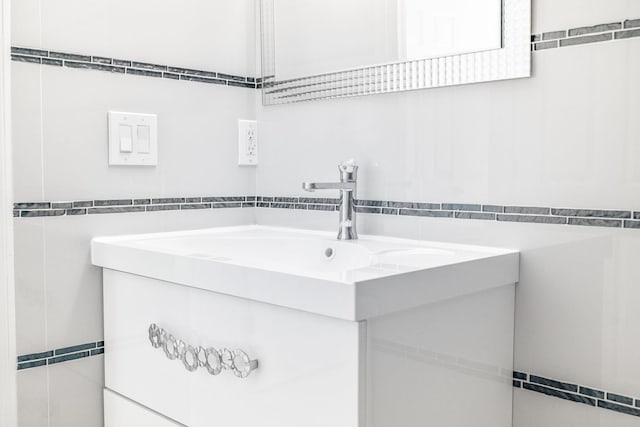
column 122, row 412
column 308, row 365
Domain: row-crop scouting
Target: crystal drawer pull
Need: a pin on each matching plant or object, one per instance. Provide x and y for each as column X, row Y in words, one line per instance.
column 215, row 361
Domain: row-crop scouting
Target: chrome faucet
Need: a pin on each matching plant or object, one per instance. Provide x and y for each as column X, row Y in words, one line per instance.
column 347, row 186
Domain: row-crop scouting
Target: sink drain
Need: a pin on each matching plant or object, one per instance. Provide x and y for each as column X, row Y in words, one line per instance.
column 329, row 253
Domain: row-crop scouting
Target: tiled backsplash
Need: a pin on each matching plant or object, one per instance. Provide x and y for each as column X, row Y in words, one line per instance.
column 593, row 34
column 629, row 218
column 121, row 66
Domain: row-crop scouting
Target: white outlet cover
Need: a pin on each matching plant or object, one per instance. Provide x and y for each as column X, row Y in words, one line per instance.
column 247, row 142
column 133, row 139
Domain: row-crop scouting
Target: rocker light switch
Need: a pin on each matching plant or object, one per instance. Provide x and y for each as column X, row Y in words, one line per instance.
column 126, row 143
column 143, row 139
column 133, row 139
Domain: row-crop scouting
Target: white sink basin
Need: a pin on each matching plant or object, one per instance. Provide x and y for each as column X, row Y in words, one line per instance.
column 311, row 271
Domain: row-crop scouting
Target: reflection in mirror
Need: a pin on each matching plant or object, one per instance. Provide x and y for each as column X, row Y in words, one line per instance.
column 313, row 49
column 433, row 28
column 323, row 36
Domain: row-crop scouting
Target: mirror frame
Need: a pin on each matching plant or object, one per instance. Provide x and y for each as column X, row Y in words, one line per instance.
column 511, row 61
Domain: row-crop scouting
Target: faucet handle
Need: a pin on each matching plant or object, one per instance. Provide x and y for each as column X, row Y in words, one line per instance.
column 348, row 170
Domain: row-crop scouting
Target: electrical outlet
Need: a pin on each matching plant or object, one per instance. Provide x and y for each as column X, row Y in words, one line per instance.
column 247, row 142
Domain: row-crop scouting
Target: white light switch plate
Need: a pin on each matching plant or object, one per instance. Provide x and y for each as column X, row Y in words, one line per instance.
column 133, row 139
column 247, row 142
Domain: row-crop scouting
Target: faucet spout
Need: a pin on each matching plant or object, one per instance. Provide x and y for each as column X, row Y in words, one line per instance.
column 347, row 187
column 344, row 186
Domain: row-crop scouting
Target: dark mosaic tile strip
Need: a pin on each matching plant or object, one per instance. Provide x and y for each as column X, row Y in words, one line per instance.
column 70, row 56
column 32, row 205
column 546, row 45
column 146, row 73
column 127, row 209
column 476, row 215
column 67, row 357
column 620, row 399
column 188, row 206
column 34, row 364
column 156, row 208
column 368, row 209
column 30, row 59
column 618, row 408
column 35, row 356
column 553, row 383
column 624, row 34
column 224, row 199
column 414, row 205
column 561, row 394
column 60, row 355
column 577, row 393
column 372, row 203
column 524, row 214
column 97, row 351
column 591, row 213
column 461, row 207
column 39, row 213
column 526, row 210
column 90, row 66
column 538, row 219
column 586, row 39
column 433, row 214
column 595, row 222
column 119, row 202
column 582, row 35
column 28, row 51
column 587, row 391
column 54, row 62
column 520, row 375
column 601, row 28
column 113, row 65
column 75, row 348
column 554, row 35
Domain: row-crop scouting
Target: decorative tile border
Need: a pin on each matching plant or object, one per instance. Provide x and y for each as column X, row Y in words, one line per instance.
column 618, row 30
column 121, row 66
column 60, row 355
column 629, row 219
column 577, row 393
column 90, row 207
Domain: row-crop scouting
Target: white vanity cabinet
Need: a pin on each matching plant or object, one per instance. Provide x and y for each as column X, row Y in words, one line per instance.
column 441, row 361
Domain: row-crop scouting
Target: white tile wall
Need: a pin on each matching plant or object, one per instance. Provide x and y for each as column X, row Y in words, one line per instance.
column 197, row 136
column 27, row 130
column 60, row 153
column 504, row 143
column 33, row 398
column 75, row 392
column 552, row 15
column 211, row 35
column 568, row 137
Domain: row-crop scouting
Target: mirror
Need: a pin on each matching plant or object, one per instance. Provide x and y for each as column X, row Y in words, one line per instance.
column 313, row 49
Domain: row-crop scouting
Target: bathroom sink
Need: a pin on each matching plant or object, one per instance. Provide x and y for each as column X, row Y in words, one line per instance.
column 310, row 270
